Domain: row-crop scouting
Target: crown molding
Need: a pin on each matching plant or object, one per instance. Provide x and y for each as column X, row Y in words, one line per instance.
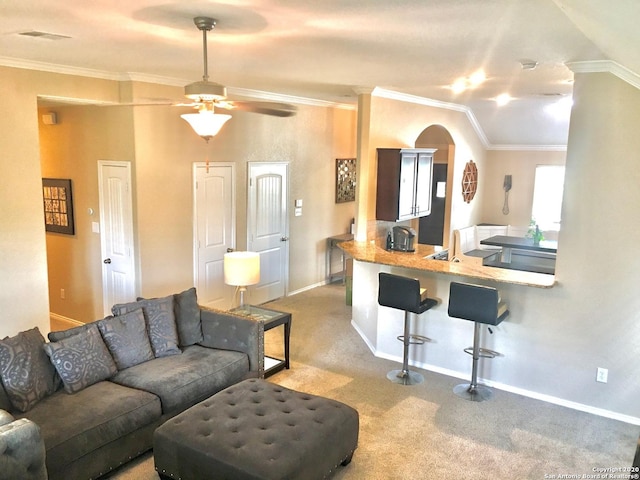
column 606, row 66
column 160, row 80
column 529, row 148
column 403, row 97
column 279, row 97
column 53, row 68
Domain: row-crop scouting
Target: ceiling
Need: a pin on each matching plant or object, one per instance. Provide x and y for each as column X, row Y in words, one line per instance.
column 327, row 50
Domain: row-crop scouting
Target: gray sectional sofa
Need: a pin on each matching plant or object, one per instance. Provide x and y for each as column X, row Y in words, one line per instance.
column 94, row 394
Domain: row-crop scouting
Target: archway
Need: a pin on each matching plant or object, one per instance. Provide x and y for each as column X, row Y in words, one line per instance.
column 434, row 229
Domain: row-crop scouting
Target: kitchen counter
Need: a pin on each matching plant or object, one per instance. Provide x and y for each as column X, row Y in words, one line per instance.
column 371, row 253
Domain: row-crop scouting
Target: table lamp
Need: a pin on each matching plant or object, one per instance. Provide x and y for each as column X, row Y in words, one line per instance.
column 241, row 269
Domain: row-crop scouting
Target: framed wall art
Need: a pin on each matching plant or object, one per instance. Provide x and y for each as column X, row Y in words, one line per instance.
column 58, row 206
column 469, row 181
column 345, row 180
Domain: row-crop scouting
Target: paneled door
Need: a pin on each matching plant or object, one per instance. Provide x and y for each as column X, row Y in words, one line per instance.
column 268, row 229
column 214, row 231
column 116, row 233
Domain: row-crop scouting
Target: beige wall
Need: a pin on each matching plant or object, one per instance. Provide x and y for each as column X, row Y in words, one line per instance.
column 24, row 299
column 71, row 149
column 166, row 148
column 162, row 149
column 521, row 165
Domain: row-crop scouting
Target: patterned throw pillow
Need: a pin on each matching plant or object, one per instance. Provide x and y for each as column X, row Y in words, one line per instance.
column 81, row 360
column 161, row 323
column 187, row 313
column 70, row 332
column 127, row 339
column 25, row 369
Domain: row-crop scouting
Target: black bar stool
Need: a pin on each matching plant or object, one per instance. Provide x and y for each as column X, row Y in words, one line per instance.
column 404, row 293
column 481, row 305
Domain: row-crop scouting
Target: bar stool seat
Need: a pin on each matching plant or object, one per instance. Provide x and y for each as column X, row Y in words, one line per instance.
column 481, row 305
column 405, row 294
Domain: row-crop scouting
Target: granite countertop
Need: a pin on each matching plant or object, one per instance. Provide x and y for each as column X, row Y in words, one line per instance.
column 371, row 253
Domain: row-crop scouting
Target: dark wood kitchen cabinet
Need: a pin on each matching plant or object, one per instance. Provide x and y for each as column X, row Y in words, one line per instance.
column 404, row 183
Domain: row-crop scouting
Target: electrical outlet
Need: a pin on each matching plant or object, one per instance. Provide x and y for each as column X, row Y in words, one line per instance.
column 601, row 375
column 62, row 293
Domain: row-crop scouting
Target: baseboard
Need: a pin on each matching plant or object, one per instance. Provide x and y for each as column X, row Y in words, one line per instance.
column 366, row 340
column 601, row 412
column 308, row 287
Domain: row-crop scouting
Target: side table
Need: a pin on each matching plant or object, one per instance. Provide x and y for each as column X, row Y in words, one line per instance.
column 271, row 319
column 332, row 243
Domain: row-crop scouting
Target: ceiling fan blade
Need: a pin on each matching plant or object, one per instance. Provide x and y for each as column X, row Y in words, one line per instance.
column 266, row 108
column 160, row 103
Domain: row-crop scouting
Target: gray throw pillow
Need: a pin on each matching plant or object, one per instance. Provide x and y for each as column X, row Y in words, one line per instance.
column 70, row 332
column 25, row 369
column 126, row 338
column 81, row 360
column 161, row 323
column 187, row 313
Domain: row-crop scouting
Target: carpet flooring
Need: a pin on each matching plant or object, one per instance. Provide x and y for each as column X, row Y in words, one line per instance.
column 425, row 431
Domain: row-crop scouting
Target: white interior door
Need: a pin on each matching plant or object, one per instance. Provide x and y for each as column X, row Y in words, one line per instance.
column 214, row 231
column 116, row 233
column 268, row 228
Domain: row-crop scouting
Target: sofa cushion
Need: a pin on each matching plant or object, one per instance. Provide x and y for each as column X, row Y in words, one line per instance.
column 127, row 339
column 70, row 332
column 73, row 426
column 81, row 360
column 5, row 403
column 187, row 313
column 161, row 323
column 27, row 374
column 184, row 380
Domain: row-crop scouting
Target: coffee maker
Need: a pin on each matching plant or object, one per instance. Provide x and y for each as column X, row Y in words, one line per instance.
column 403, row 238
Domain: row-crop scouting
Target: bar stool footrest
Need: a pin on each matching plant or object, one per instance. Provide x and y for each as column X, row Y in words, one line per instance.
column 415, row 339
column 483, row 352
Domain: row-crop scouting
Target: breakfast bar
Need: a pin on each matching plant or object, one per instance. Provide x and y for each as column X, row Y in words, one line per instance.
column 516, row 338
column 421, row 260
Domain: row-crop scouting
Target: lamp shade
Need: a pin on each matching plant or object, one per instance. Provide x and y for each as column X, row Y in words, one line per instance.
column 241, row 268
column 206, row 123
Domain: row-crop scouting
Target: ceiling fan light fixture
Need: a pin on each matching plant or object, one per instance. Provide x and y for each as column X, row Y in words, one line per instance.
column 206, row 123
column 205, row 91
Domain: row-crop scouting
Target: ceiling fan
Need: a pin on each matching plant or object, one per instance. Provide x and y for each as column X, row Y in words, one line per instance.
column 207, row 96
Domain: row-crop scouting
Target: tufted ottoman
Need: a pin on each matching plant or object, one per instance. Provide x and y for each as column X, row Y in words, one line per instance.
column 257, row 430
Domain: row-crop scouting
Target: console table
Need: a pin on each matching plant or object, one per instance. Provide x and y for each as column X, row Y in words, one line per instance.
column 271, row 319
column 332, row 243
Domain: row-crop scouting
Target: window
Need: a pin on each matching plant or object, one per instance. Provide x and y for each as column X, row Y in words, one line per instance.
column 547, row 196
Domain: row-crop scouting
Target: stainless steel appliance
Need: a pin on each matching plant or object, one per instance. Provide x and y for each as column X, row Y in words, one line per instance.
column 403, row 239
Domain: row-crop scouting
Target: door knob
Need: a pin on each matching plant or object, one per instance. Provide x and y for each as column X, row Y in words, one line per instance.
column 229, row 250
column 107, row 261
column 284, row 239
